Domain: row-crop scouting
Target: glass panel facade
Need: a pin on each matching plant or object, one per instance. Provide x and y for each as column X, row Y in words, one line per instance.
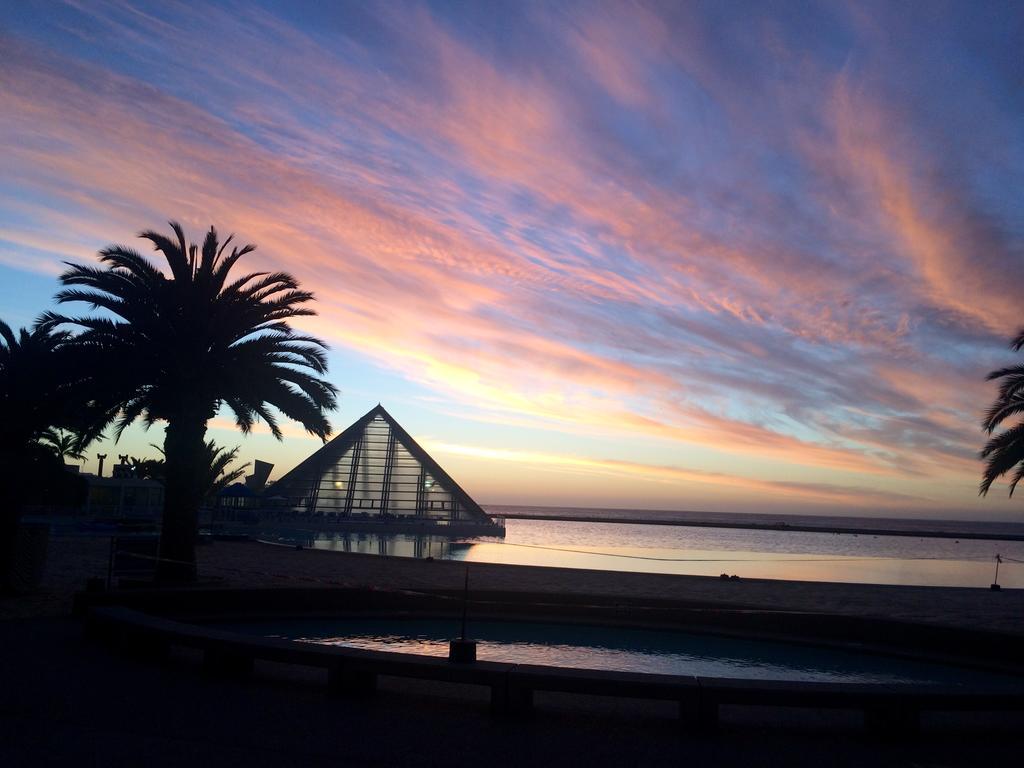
column 376, row 476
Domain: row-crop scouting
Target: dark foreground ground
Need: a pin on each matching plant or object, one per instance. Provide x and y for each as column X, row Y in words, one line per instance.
column 65, row 701
column 69, row 702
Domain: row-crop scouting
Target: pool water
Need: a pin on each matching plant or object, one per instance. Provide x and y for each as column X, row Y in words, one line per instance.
column 622, row 649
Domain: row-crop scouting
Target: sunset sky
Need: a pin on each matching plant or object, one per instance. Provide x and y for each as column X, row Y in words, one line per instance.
column 724, row 256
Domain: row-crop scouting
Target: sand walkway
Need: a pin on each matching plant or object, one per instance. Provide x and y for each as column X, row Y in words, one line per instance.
column 239, row 564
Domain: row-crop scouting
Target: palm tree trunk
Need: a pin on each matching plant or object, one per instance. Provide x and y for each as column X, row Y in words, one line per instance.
column 183, row 495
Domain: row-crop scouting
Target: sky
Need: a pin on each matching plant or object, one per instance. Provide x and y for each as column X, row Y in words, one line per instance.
column 750, row 257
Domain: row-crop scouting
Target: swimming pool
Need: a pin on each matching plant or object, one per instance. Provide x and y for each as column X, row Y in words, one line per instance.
column 621, row 649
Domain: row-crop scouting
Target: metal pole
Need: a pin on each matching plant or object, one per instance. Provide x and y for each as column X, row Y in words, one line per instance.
column 998, row 561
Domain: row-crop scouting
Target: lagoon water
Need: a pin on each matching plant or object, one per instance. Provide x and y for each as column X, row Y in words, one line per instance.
column 677, row 549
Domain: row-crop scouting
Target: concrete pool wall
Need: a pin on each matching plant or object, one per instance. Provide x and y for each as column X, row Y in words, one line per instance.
column 983, row 648
column 157, row 620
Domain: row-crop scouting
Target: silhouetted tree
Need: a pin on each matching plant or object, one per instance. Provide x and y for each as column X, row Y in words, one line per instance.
column 177, row 346
column 221, row 474
column 216, row 477
column 65, row 445
column 148, row 469
column 41, row 388
column 1005, row 450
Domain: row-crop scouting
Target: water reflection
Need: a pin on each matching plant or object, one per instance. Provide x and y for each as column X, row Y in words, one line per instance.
column 619, row 648
column 913, row 569
column 789, row 555
column 397, row 545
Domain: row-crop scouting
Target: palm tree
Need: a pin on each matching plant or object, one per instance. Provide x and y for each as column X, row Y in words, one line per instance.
column 65, row 445
column 220, row 476
column 1005, row 450
column 176, row 347
column 41, row 387
column 31, row 383
column 216, row 475
column 148, row 469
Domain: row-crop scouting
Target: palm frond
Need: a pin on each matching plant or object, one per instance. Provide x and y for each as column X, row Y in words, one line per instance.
column 1005, row 450
column 174, row 253
column 1018, row 341
column 1001, row 410
column 1017, row 477
column 243, row 415
column 8, row 335
column 1002, row 452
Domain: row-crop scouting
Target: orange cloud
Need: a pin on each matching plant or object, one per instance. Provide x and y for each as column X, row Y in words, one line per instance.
column 951, row 249
column 778, row 490
column 472, row 230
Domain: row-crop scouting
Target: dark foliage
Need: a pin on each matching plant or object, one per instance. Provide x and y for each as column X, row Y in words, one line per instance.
column 42, row 389
column 1004, row 452
column 177, row 346
column 218, row 473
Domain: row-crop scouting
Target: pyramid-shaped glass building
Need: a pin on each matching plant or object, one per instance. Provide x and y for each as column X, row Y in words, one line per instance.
column 374, row 469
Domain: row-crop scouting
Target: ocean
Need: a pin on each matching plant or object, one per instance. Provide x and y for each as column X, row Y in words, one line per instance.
column 684, row 548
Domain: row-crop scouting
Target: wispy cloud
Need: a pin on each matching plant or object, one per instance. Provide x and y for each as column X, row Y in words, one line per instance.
column 634, row 222
column 675, row 475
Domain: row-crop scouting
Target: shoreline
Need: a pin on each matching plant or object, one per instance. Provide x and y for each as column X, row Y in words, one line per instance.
column 251, row 564
column 780, row 526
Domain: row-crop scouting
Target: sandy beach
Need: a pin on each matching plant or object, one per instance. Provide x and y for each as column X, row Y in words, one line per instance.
column 239, row 564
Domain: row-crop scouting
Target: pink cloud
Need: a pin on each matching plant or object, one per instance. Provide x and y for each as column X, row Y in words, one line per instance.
column 495, row 253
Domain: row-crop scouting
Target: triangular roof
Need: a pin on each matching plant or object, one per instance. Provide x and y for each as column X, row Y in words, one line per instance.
column 335, row 449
